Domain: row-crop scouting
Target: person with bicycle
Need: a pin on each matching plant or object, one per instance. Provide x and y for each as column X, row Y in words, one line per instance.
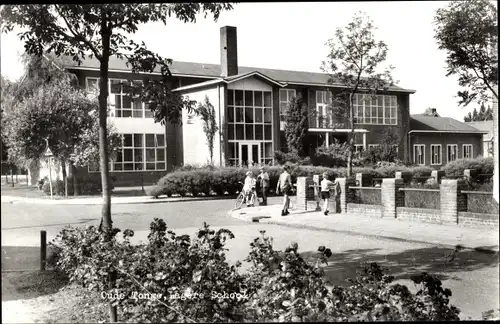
column 249, row 189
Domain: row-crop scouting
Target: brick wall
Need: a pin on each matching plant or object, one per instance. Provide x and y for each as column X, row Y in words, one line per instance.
column 363, row 209
column 425, row 215
column 392, row 197
column 346, row 194
column 452, row 200
column 478, row 220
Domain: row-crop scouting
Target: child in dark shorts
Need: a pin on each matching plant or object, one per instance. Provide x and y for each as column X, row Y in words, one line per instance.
column 325, row 192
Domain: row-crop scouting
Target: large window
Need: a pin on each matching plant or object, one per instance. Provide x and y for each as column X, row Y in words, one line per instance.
column 376, row 109
column 139, row 152
column 419, row 154
column 452, row 152
column 286, row 96
column 120, row 103
column 249, row 118
column 467, row 151
column 323, row 101
column 436, row 154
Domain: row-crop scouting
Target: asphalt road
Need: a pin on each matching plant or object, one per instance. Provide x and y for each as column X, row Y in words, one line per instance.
column 472, row 277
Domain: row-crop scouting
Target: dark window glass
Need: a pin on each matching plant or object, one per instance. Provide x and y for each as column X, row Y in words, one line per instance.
column 230, row 97
column 258, row 115
column 239, row 114
column 248, row 115
column 257, row 98
column 259, row 132
column 268, row 115
column 248, row 98
column 150, row 140
column 268, row 135
column 249, row 132
column 239, row 132
column 267, row 99
column 230, row 132
column 127, row 140
column 230, row 114
column 238, row 97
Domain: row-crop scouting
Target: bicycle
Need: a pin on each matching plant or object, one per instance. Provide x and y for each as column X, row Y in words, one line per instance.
column 241, row 197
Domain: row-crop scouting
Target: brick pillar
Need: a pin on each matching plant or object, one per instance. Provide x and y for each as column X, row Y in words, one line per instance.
column 317, row 191
column 452, row 200
column 301, row 196
column 406, row 176
column 392, row 197
column 437, row 175
column 469, row 174
column 346, row 194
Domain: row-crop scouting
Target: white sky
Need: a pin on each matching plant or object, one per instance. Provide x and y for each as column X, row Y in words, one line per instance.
column 292, row 36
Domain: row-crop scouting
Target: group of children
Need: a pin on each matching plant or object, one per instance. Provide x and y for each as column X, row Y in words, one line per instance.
column 284, row 187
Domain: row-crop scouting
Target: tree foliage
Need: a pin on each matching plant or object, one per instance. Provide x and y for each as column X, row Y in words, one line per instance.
column 210, row 128
column 481, row 115
column 468, row 32
column 297, row 125
column 355, row 62
column 100, row 31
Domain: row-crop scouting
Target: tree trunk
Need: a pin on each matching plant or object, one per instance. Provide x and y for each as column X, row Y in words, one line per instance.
column 76, row 190
column 106, row 222
column 65, row 177
column 351, row 138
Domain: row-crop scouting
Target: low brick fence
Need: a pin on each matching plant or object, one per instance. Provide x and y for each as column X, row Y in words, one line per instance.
column 449, row 203
column 365, row 209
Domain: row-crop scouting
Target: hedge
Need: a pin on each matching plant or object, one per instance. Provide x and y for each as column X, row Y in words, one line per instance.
column 219, row 181
column 481, row 164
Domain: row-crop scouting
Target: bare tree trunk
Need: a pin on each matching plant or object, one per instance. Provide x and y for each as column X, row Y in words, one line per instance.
column 76, row 190
column 351, row 138
column 106, row 222
column 65, row 177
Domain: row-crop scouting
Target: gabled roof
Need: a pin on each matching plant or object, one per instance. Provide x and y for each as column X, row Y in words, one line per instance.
column 426, row 124
column 213, row 71
column 485, row 126
column 229, row 80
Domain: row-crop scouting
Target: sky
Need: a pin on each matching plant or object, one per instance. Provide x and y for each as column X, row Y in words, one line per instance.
column 292, row 36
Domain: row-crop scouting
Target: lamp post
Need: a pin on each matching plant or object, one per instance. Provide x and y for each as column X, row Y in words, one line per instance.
column 48, row 154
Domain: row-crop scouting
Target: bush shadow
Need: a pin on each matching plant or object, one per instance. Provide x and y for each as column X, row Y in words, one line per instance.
column 441, row 262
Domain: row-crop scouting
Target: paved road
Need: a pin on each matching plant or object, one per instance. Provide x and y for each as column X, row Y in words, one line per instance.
column 473, row 277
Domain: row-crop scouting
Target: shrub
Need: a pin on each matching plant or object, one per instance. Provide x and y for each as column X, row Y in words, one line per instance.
column 279, row 285
column 334, row 155
column 368, row 196
column 480, row 203
column 423, row 199
column 456, row 168
column 282, row 158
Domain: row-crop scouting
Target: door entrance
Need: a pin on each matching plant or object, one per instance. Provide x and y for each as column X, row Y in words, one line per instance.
column 250, row 153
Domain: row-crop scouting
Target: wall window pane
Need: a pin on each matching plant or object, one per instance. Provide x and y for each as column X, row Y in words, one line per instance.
column 230, row 114
column 160, row 154
column 268, row 115
column 258, row 115
column 160, row 140
column 127, row 140
column 258, row 102
column 259, row 132
column 150, row 166
column 268, row 135
column 249, row 132
column 239, row 115
column 435, row 154
column 238, row 99
column 248, row 115
column 230, row 97
column 267, row 99
column 150, row 155
column 230, row 132
column 419, row 154
column 268, row 150
column 452, row 152
column 138, row 155
column 150, row 140
column 248, row 98
column 239, row 132
column 467, row 151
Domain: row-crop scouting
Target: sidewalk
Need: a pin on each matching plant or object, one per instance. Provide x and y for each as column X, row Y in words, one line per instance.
column 486, row 240
column 98, row 200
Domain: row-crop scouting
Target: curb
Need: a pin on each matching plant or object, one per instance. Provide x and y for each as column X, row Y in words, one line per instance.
column 269, row 220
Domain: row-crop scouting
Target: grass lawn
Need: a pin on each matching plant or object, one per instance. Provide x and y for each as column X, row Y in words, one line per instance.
column 25, row 191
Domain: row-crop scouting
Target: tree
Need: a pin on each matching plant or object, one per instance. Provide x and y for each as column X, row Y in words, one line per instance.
column 210, row 128
column 467, row 31
column 483, row 114
column 296, row 125
column 99, row 31
column 354, row 61
column 57, row 112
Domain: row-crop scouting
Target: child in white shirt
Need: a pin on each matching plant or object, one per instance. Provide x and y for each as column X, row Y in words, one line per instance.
column 326, row 185
column 249, row 189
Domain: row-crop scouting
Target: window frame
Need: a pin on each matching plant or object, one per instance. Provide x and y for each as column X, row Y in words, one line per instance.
column 440, row 154
column 363, row 103
column 143, row 148
column 322, row 118
column 464, row 146
column 448, row 146
column 370, row 146
column 146, row 113
column 415, row 153
column 357, row 146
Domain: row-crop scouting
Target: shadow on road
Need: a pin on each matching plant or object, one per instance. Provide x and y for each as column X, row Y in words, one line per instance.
column 436, row 260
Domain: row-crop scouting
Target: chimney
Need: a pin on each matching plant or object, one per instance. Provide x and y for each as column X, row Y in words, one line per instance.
column 228, row 51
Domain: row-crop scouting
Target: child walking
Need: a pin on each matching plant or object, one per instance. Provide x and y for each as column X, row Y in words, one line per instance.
column 326, row 185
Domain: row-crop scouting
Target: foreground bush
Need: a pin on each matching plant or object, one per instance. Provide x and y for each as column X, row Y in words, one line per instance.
column 189, row 279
